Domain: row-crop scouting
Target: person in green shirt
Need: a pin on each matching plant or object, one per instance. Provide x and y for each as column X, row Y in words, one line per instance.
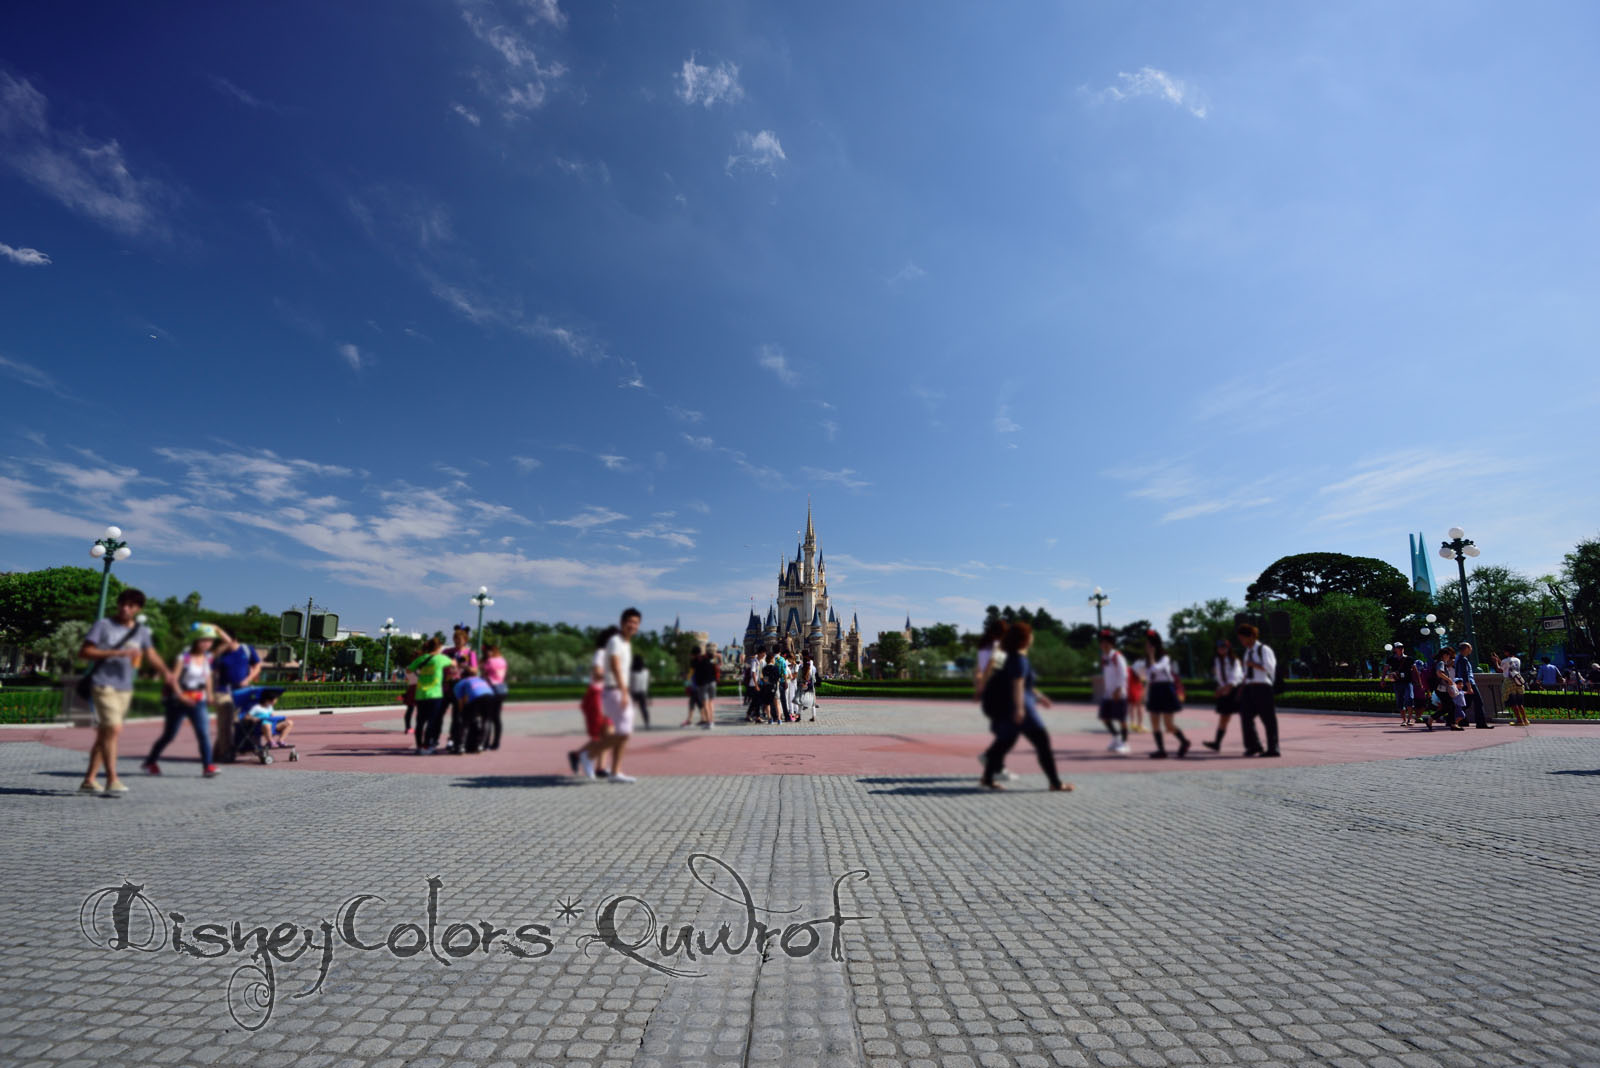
column 429, row 668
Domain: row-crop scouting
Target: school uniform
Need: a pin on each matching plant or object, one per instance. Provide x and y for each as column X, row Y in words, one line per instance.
column 1256, row 700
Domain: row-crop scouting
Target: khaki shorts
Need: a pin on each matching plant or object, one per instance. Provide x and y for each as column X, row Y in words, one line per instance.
column 110, row 705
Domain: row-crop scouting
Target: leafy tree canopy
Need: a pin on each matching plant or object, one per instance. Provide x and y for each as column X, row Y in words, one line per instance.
column 1306, row 578
column 34, row 603
column 1347, row 630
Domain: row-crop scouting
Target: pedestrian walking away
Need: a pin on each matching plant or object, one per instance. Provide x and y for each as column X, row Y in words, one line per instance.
column 1510, row 666
column 189, row 695
column 1229, row 675
column 115, row 648
column 639, row 689
column 1163, row 695
column 703, row 677
column 1256, row 693
column 494, row 673
column 1011, row 702
column 1114, row 678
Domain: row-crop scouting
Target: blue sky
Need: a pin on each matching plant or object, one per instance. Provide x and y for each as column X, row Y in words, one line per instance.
column 382, row 303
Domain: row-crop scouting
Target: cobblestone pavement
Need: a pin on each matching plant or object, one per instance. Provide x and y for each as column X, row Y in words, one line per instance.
column 1426, row 911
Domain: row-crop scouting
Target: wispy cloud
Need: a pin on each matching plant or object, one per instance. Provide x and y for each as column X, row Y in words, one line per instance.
column 699, row 84
column 597, row 171
column 467, row 113
column 352, row 356
column 830, row 428
column 248, row 99
column 1003, row 423
column 591, row 517
column 845, row 477
column 900, row 567
column 1395, row 481
column 1157, row 84
column 909, row 273
column 772, row 358
column 1188, row 494
column 90, row 177
column 27, row 257
column 703, row 443
column 545, row 11
column 612, row 461
column 30, row 375
column 757, row 152
column 525, row 464
column 686, row 415
column 524, row 82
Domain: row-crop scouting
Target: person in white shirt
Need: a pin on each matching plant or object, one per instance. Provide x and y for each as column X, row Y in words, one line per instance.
column 1255, row 694
column 1161, row 695
column 1114, row 693
column 1516, row 687
column 615, row 699
column 1229, row 675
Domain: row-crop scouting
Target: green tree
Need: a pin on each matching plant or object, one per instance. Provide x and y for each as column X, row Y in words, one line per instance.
column 34, row 603
column 891, row 653
column 1347, row 631
column 1053, row 658
column 942, row 636
column 1582, row 573
column 1505, row 609
column 60, row 647
column 1306, row 578
column 1203, row 625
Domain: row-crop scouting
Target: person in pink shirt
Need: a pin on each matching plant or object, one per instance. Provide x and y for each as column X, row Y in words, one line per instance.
column 494, row 673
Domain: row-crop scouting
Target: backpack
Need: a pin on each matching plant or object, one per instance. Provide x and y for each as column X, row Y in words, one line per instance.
column 771, row 673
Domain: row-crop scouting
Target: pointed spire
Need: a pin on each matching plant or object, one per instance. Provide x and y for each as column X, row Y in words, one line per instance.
column 811, row 531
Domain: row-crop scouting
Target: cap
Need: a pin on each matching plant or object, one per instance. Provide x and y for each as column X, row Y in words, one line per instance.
column 203, row 630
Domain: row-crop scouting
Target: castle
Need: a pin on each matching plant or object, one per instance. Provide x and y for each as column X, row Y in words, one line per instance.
column 803, row 619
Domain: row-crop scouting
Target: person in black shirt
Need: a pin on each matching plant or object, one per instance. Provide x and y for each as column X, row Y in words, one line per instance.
column 1010, row 702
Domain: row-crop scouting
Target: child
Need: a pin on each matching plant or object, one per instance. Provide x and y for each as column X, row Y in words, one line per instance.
column 275, row 727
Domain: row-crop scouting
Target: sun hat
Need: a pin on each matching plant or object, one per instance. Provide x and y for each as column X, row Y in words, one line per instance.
column 203, row 630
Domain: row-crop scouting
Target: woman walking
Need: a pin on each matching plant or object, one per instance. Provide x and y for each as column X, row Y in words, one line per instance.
column 190, row 699
column 1229, row 675
column 1452, row 702
column 1161, row 697
column 1011, row 703
column 808, row 685
column 639, row 688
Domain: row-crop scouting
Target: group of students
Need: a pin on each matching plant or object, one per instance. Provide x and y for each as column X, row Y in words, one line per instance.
column 779, row 689
column 1005, row 685
column 453, row 679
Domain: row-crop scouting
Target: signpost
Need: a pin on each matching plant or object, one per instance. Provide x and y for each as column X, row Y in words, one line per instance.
column 1553, row 622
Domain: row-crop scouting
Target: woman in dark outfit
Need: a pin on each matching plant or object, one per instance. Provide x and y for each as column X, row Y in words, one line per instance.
column 1011, row 704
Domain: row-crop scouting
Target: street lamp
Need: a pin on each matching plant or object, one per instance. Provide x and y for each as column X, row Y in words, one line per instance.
column 482, row 600
column 109, row 548
column 1458, row 548
column 388, row 630
column 1098, row 599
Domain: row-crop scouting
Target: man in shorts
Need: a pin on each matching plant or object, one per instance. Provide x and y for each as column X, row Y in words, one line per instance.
column 115, row 647
column 236, row 665
column 1114, row 690
column 615, row 702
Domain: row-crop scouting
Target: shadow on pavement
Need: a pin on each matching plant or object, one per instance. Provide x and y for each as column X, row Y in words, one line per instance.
column 889, row 780
column 1578, row 771
column 33, row 791
column 481, row 782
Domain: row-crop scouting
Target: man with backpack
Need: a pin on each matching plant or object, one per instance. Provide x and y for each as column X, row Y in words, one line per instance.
column 771, row 678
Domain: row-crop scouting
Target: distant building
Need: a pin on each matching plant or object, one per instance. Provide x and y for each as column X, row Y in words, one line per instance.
column 1421, row 565
column 802, row 618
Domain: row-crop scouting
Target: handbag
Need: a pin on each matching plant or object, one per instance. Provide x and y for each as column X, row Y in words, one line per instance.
column 85, row 687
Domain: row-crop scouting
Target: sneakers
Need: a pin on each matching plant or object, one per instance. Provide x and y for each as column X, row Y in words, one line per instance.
column 1115, row 742
column 1215, row 747
column 151, row 767
column 585, row 764
column 211, row 771
column 619, row 777
column 1121, row 748
column 601, row 773
column 90, row 788
column 115, row 788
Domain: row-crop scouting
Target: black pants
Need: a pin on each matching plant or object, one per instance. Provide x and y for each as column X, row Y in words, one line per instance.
column 491, row 721
column 430, row 718
column 1475, row 705
column 1256, row 701
column 1006, row 732
column 467, row 723
column 641, row 701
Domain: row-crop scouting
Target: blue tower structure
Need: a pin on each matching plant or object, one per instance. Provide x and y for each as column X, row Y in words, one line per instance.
column 1421, row 565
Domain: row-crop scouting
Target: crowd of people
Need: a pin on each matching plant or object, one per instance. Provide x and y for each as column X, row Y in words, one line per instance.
column 781, row 690
column 451, row 680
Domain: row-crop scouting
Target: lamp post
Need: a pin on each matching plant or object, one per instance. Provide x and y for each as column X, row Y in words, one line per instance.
column 482, row 600
column 388, row 630
column 1458, row 548
column 1098, row 599
column 109, row 548
column 1432, row 633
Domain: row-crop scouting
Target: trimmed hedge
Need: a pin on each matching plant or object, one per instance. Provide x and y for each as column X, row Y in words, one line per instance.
column 30, row 706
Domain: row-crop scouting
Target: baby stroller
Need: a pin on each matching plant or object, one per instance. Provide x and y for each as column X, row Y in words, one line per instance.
column 247, row 729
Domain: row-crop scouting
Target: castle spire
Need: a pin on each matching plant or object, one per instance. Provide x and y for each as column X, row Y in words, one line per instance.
column 811, row 531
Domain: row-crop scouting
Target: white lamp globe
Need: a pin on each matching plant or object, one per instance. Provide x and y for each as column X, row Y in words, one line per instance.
column 389, row 622
column 123, row 553
column 1431, row 618
column 1388, row 648
column 1447, row 552
column 113, row 533
column 97, row 550
column 1472, row 550
column 482, row 590
column 1455, row 532
column 1426, row 631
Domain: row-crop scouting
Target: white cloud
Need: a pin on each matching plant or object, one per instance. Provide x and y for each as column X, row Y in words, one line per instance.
column 685, row 414
column 698, row 84
column 1003, row 423
column 1188, row 495
column 261, row 474
column 591, row 517
column 26, row 257
column 900, row 567
column 89, row 177
column 845, row 477
column 1395, row 481
column 525, row 464
column 909, row 273
column 773, row 359
column 1150, row 82
column 613, row 462
column 699, row 442
column 682, row 537
column 545, row 11
column 467, row 113
column 758, row 152
column 351, row 355
column 525, row 82
column 248, row 99
column 30, row 375
column 830, row 428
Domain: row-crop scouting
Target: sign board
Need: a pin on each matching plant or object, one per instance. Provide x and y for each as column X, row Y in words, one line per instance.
column 1553, row 622
column 293, row 624
column 325, row 628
